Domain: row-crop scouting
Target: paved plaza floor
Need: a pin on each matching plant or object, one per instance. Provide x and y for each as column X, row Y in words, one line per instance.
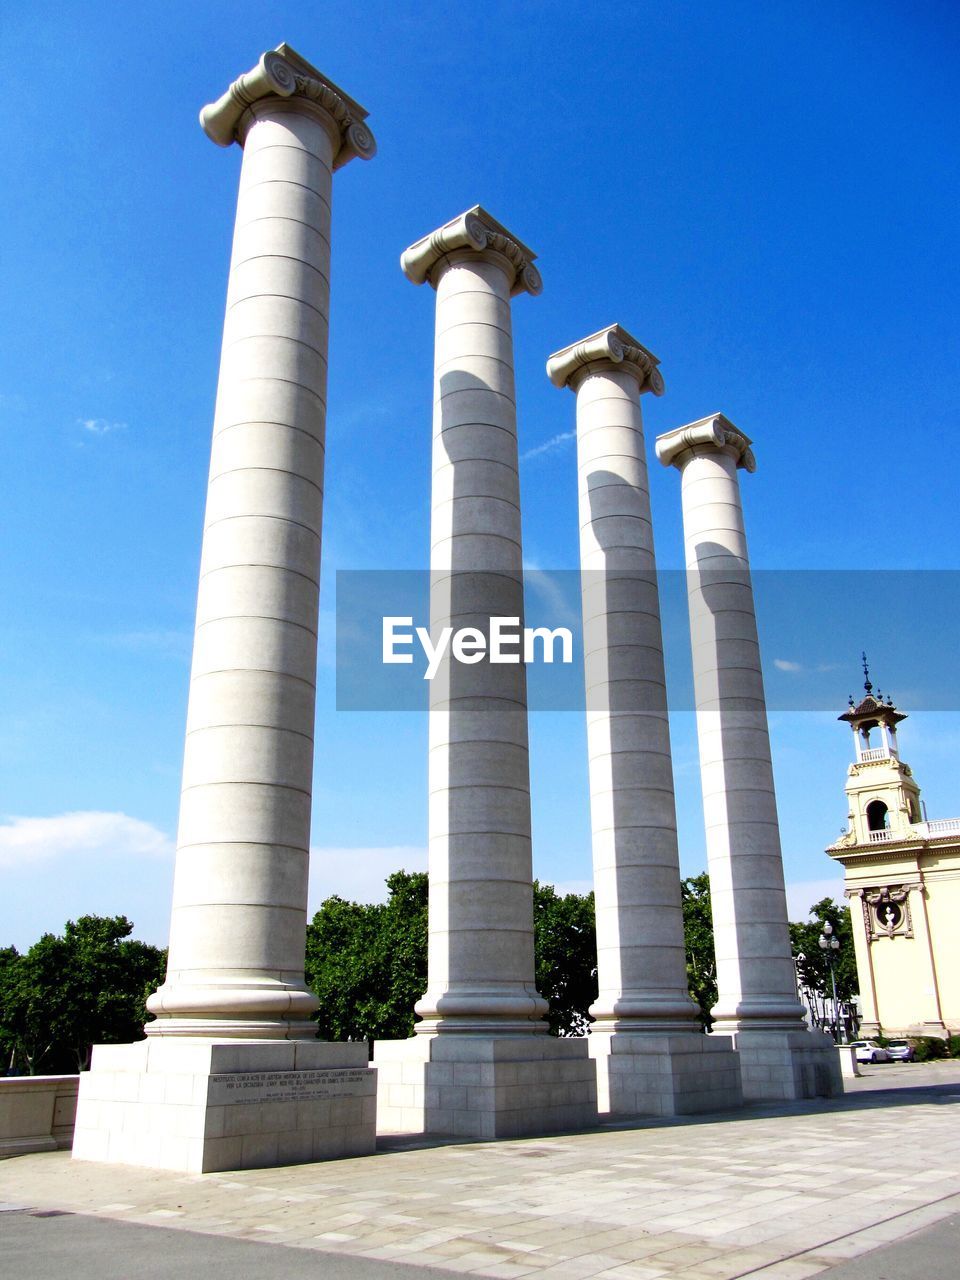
column 788, row 1192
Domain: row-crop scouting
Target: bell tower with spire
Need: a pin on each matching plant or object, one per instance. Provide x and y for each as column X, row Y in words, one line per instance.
column 902, row 876
column 884, row 797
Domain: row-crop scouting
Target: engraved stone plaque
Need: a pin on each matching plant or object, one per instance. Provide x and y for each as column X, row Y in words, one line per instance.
column 289, row 1086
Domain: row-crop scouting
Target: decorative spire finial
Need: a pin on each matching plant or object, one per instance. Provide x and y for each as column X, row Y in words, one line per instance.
column 866, row 674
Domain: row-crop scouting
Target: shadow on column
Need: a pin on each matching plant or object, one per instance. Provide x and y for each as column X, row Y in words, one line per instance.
column 623, row 651
column 780, row 1057
column 651, row 1055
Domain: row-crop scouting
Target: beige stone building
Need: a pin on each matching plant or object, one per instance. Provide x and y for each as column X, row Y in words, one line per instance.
column 903, row 882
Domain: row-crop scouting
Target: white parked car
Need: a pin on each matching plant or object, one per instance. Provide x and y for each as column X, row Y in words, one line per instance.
column 867, row 1051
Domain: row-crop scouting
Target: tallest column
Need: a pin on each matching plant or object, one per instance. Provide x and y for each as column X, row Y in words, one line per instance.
column 240, row 888
column 231, row 1074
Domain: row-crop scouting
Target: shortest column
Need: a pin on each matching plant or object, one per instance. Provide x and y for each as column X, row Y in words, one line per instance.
column 780, row 1059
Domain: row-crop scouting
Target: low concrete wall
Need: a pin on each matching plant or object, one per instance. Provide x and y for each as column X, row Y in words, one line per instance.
column 36, row 1113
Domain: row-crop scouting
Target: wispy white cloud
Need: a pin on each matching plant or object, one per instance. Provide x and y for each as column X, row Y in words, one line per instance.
column 100, row 426
column 549, row 446
column 358, row 874
column 787, row 664
column 784, row 664
column 549, row 586
column 26, row 841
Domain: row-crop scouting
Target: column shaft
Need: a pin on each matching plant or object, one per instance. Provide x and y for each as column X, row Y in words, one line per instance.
column 481, row 961
column 481, row 1004
column 755, row 971
column 641, row 959
column 240, row 888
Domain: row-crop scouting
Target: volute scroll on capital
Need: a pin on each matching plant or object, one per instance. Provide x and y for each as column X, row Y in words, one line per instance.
column 716, row 432
column 474, row 231
column 283, row 73
column 610, row 347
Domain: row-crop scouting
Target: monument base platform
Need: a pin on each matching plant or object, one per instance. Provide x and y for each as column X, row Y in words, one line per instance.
column 785, row 1066
column 205, row 1106
column 645, row 1074
column 476, row 1086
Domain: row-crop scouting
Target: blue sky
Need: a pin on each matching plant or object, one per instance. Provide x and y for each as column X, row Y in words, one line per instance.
column 765, row 194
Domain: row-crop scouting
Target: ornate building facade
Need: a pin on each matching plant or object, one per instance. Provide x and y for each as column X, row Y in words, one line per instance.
column 903, row 881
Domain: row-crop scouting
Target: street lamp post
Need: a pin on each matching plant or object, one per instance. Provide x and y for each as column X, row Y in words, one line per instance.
column 830, row 945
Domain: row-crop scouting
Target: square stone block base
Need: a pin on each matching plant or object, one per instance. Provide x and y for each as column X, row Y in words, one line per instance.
column 784, row 1066
column 665, row 1075
column 475, row 1086
column 203, row 1106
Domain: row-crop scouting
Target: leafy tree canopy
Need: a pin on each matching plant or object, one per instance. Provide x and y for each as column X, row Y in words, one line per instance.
column 68, row 992
column 698, row 937
column 367, row 963
column 565, row 949
column 814, row 968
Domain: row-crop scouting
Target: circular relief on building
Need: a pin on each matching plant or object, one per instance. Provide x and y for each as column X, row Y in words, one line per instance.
column 889, row 915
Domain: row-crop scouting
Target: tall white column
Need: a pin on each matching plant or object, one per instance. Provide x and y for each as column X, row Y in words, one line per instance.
column 195, row 1095
column 651, row 1055
column 481, row 1014
column 755, row 973
column 481, row 962
column 240, row 888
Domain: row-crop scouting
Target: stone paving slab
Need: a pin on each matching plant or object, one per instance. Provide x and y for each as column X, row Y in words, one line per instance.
column 785, row 1192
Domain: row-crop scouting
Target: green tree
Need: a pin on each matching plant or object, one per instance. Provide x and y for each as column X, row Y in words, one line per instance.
column 68, row 992
column 814, row 968
column 367, row 963
column 9, row 956
column 698, row 940
column 565, row 948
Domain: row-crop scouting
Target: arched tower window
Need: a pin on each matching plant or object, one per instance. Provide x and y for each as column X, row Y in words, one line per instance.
column 878, row 819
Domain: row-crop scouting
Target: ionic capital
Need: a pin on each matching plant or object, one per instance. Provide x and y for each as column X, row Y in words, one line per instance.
column 282, row 73
column 716, row 433
column 611, row 347
column 474, row 232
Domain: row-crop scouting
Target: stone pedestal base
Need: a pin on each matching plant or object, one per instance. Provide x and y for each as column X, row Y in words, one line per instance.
column 204, row 1106
column 784, row 1066
column 476, row 1086
column 664, row 1075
